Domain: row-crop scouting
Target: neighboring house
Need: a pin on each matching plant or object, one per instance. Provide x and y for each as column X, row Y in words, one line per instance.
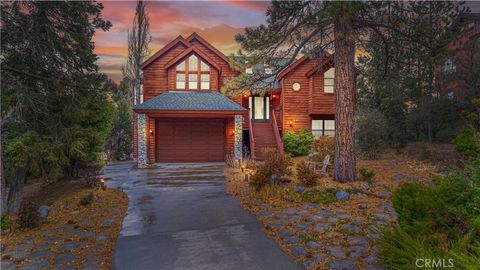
column 185, row 118
column 465, row 52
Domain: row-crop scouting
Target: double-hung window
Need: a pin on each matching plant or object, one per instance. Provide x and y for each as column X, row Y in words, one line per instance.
column 193, row 74
column 329, row 81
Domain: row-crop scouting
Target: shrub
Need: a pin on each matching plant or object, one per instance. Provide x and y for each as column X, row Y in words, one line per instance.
column 306, row 176
column 298, row 143
column 371, row 133
column 468, row 143
column 28, row 216
column 5, row 222
column 322, row 147
column 274, row 164
column 366, row 175
column 320, row 195
column 87, row 199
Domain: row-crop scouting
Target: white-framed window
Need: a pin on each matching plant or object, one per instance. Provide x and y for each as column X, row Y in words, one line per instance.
column 323, row 127
column 193, row 73
column 449, row 66
column 249, row 70
column 329, row 81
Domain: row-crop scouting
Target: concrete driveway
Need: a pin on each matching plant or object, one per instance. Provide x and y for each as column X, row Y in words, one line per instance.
column 180, row 217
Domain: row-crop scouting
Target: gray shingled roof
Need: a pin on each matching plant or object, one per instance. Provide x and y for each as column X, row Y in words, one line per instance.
column 190, row 101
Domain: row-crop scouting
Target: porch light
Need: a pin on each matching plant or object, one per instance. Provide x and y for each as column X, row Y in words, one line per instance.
column 290, row 123
column 150, row 131
column 232, row 132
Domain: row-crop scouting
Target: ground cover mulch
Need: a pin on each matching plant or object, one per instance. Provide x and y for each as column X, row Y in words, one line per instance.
column 339, row 234
column 74, row 235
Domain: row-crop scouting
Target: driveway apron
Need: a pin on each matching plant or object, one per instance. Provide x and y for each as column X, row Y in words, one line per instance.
column 180, row 217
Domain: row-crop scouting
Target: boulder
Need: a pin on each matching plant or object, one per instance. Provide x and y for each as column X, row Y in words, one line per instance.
column 43, row 211
column 342, row 195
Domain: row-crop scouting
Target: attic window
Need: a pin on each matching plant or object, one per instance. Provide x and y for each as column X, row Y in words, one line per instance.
column 249, row 70
column 329, row 81
column 193, row 73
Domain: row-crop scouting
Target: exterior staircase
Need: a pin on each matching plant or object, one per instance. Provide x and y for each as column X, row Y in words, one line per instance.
column 264, row 135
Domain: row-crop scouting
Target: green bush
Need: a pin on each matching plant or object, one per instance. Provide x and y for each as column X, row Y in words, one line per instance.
column 468, row 142
column 322, row 147
column 320, row 195
column 306, row 176
column 5, row 222
column 371, row 133
column 366, row 175
column 298, row 143
column 28, row 216
column 274, row 164
column 440, row 220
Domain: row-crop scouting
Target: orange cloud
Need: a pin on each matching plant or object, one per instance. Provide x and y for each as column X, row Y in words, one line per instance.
column 250, row 5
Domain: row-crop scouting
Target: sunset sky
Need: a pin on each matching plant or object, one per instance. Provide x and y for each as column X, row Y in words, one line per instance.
column 217, row 22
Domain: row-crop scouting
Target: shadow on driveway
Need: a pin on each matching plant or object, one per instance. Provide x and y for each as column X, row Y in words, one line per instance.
column 180, row 217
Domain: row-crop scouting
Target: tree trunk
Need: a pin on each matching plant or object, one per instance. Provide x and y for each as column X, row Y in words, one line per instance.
column 3, row 187
column 16, row 190
column 345, row 98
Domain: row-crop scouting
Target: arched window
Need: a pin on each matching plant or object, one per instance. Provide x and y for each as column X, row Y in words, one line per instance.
column 193, row 74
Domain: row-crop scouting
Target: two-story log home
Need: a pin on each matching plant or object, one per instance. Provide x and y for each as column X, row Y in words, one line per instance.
column 185, row 118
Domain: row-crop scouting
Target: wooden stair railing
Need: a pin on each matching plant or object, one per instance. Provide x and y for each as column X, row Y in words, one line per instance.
column 252, row 141
column 277, row 133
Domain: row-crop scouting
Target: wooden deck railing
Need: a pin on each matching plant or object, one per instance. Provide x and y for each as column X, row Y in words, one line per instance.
column 277, row 133
column 252, row 141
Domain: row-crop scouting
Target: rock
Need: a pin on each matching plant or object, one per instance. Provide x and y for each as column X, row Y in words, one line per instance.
column 383, row 195
column 289, row 211
column 357, row 251
column 314, row 245
column 101, row 239
column 270, row 219
column 43, row 246
column 315, row 218
column 275, row 178
column 295, row 217
column 71, row 245
column 108, row 221
column 352, row 228
column 332, row 220
column 373, row 236
column 16, row 254
column 363, row 205
column 38, row 255
column 342, row 195
column 341, row 265
column 43, row 211
column 53, row 239
column 34, row 265
column 342, row 216
column 278, row 225
column 381, row 216
column 28, row 240
column 326, row 213
column 7, row 265
column 65, row 258
column 312, row 262
column 85, row 234
column 281, row 216
column 265, row 213
column 91, row 263
column 357, row 241
column 322, row 226
column 365, row 186
column 285, row 233
column 23, row 247
column 311, row 206
column 398, row 177
column 370, row 259
column 335, row 252
column 298, row 251
column 291, row 240
column 299, row 189
column 2, row 247
column 303, row 213
column 302, row 226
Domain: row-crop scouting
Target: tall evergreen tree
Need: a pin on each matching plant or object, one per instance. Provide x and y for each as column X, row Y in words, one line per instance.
column 55, row 110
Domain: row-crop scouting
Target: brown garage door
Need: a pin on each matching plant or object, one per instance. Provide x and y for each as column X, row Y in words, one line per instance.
column 190, row 140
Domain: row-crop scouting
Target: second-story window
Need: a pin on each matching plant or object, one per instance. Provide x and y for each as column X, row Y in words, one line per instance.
column 329, row 81
column 193, row 74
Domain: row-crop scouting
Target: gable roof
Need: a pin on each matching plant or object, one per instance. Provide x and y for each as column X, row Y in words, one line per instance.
column 197, row 52
column 165, row 49
column 326, row 60
column 190, row 101
column 292, row 67
column 188, row 44
column 196, row 36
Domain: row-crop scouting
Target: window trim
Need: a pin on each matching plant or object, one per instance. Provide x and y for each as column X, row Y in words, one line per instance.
column 266, row 108
column 329, row 78
column 197, row 72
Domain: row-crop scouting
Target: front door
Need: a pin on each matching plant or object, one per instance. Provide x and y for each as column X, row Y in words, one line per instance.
column 259, row 108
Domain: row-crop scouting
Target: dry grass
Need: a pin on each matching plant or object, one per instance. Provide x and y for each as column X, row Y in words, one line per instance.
column 66, row 211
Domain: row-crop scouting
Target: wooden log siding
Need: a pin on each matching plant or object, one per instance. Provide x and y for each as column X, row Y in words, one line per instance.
column 321, row 103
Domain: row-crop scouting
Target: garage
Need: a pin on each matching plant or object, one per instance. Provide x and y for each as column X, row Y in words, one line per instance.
column 190, row 140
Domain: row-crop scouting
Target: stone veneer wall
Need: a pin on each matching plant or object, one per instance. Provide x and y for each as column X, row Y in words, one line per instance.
column 238, row 140
column 142, row 140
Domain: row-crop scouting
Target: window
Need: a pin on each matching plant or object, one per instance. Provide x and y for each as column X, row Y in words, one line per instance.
column 249, row 70
column 329, row 81
column 321, row 127
column 193, row 73
column 449, row 67
column 259, row 108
